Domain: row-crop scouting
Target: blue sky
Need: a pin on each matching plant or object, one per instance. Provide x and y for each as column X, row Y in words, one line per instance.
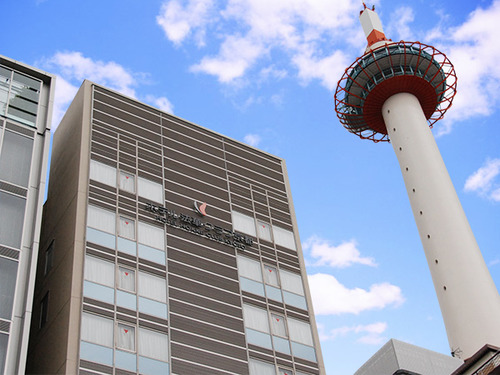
column 264, row 72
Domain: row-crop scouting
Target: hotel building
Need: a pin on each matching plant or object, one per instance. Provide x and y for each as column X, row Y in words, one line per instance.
column 167, row 249
column 26, row 96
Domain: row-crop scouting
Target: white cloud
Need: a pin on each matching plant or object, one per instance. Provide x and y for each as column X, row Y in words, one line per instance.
column 249, row 30
column 330, row 297
column 344, row 255
column 473, row 44
column 252, row 139
column 73, row 67
column 371, row 334
column 483, row 181
column 399, row 25
column 178, row 22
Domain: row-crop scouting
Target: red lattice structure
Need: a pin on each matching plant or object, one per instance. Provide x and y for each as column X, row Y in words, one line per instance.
column 410, row 67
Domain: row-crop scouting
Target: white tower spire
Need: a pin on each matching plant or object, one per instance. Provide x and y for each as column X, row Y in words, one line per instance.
column 395, row 91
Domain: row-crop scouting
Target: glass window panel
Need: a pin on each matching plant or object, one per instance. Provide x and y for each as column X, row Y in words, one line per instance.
column 273, row 293
column 271, row 275
column 153, row 344
column 127, row 228
column 96, row 353
column 102, row 219
column 281, row 345
column 97, row 329
column 154, row 255
column 8, row 275
column 99, row 271
column 264, row 231
column 11, row 219
column 26, row 81
column 23, row 103
column 126, row 279
column 153, row 287
column 44, row 310
column 151, row 235
column 15, row 158
column 127, row 300
column 300, row 331
column 260, row 368
column 49, row 258
column 258, row 338
column 127, row 182
column 295, row 300
column 150, row 307
column 126, row 246
column 101, row 238
column 103, row 173
column 292, row 282
column 4, row 339
column 284, row 238
column 278, row 326
column 126, row 360
column 148, row 366
column 21, row 116
column 255, row 318
column 243, row 223
column 125, row 337
column 98, row 292
column 249, row 268
column 252, row 286
column 304, row 351
column 283, row 371
column 149, row 189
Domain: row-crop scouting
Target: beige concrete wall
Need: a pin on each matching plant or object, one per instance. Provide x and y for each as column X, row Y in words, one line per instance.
column 49, row 350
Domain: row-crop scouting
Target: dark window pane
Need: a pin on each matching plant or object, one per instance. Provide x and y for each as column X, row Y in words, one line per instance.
column 15, row 158
column 8, row 272
column 3, row 350
column 11, row 219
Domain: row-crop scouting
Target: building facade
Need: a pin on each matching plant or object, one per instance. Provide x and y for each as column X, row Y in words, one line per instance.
column 400, row 358
column 26, row 96
column 173, row 250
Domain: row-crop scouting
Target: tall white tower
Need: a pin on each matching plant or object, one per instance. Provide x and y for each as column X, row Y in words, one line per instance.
column 394, row 92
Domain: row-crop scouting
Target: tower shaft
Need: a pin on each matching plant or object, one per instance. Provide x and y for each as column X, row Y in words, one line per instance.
column 469, row 300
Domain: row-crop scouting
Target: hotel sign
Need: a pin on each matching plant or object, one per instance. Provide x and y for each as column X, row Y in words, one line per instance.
column 195, row 225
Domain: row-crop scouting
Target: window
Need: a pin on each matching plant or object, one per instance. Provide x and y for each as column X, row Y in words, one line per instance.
column 151, row 235
column 284, row 238
column 127, row 182
column 103, row 173
column 150, row 190
column 300, row 331
column 255, row 318
column 101, row 219
column 264, row 231
column 152, row 287
column 260, row 368
column 44, row 310
column 49, row 258
column 278, row 325
column 153, row 344
column 271, row 275
column 99, row 271
column 292, row 282
column 249, row 268
column 126, row 279
column 126, row 228
column 97, row 329
column 284, row 371
column 125, row 337
column 4, row 339
column 243, row 223
column 11, row 219
column 8, row 275
column 15, row 158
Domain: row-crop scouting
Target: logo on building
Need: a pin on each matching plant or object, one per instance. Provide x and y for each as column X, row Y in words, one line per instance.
column 200, row 208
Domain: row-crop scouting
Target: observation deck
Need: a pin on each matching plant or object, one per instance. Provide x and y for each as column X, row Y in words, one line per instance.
column 390, row 69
